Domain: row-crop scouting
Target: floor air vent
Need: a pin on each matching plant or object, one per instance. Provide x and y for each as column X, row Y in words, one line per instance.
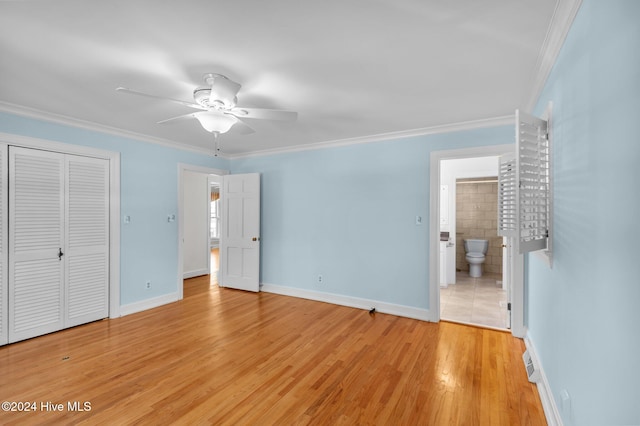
column 532, row 370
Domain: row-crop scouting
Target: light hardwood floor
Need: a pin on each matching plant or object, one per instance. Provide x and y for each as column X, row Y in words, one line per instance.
column 222, row 356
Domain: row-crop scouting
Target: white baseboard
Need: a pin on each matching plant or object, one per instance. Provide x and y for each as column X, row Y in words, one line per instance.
column 544, row 390
column 196, row 273
column 353, row 302
column 143, row 305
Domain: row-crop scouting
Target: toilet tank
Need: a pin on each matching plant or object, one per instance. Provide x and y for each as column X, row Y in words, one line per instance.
column 476, row 246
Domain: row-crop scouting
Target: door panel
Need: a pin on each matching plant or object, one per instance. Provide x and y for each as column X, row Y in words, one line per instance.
column 87, row 249
column 4, row 290
column 240, row 237
column 36, row 190
column 36, row 298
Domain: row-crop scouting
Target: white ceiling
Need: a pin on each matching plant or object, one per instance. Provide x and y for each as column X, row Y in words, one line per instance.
column 350, row 68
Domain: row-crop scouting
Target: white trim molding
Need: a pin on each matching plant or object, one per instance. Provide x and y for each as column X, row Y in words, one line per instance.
column 561, row 22
column 96, row 127
column 196, row 273
column 544, row 390
column 89, row 125
column 143, row 305
column 445, row 128
column 352, row 302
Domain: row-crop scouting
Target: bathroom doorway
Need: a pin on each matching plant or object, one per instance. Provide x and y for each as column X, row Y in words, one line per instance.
column 472, row 289
column 515, row 261
column 477, row 295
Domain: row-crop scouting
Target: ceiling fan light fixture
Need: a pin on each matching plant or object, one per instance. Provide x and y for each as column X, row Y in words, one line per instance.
column 215, row 122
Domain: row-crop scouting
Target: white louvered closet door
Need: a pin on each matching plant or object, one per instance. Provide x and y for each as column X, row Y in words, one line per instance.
column 58, row 241
column 36, row 217
column 4, row 290
column 87, row 239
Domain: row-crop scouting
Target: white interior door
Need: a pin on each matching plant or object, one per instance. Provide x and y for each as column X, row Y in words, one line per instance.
column 4, row 290
column 36, row 241
column 58, row 241
column 86, row 258
column 240, row 236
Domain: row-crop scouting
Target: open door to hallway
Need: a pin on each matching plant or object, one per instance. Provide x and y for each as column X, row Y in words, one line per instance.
column 240, row 234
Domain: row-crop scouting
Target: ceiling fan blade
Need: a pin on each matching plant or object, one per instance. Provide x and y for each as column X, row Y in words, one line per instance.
column 180, row 117
column 241, row 128
column 146, row 95
column 264, row 114
column 222, row 89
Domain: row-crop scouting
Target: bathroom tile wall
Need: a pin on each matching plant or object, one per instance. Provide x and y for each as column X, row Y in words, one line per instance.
column 477, row 217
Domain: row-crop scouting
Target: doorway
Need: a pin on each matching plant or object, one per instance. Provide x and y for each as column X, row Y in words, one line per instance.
column 194, row 222
column 471, row 294
column 438, row 268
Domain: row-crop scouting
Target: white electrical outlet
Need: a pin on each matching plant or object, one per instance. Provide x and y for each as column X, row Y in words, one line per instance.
column 148, row 285
column 320, row 278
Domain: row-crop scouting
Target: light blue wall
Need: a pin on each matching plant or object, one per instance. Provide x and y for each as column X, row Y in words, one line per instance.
column 584, row 314
column 149, row 192
column 349, row 213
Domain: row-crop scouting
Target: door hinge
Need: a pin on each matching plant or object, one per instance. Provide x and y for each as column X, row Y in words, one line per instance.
column 509, row 306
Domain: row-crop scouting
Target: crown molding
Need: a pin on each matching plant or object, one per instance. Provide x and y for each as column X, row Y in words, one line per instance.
column 561, row 21
column 444, row 128
column 92, row 126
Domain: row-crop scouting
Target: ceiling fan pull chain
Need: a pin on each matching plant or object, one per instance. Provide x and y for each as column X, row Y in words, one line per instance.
column 216, row 142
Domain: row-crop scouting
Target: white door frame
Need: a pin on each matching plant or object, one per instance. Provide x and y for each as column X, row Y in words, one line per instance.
column 114, row 200
column 517, row 303
column 183, row 167
column 210, row 182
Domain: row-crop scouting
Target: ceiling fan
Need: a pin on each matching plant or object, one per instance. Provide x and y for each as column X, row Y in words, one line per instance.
column 217, row 104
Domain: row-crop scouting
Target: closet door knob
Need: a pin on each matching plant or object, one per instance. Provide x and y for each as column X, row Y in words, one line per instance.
column 60, row 253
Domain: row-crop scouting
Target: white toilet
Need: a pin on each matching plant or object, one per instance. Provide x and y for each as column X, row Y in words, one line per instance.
column 475, row 249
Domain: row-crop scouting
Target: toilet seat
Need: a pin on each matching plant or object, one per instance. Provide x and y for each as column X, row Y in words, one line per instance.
column 475, row 255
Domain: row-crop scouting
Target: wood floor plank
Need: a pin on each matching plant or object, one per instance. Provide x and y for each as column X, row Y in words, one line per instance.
column 223, row 356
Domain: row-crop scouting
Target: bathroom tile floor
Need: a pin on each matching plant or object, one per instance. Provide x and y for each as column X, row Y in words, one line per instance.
column 479, row 301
